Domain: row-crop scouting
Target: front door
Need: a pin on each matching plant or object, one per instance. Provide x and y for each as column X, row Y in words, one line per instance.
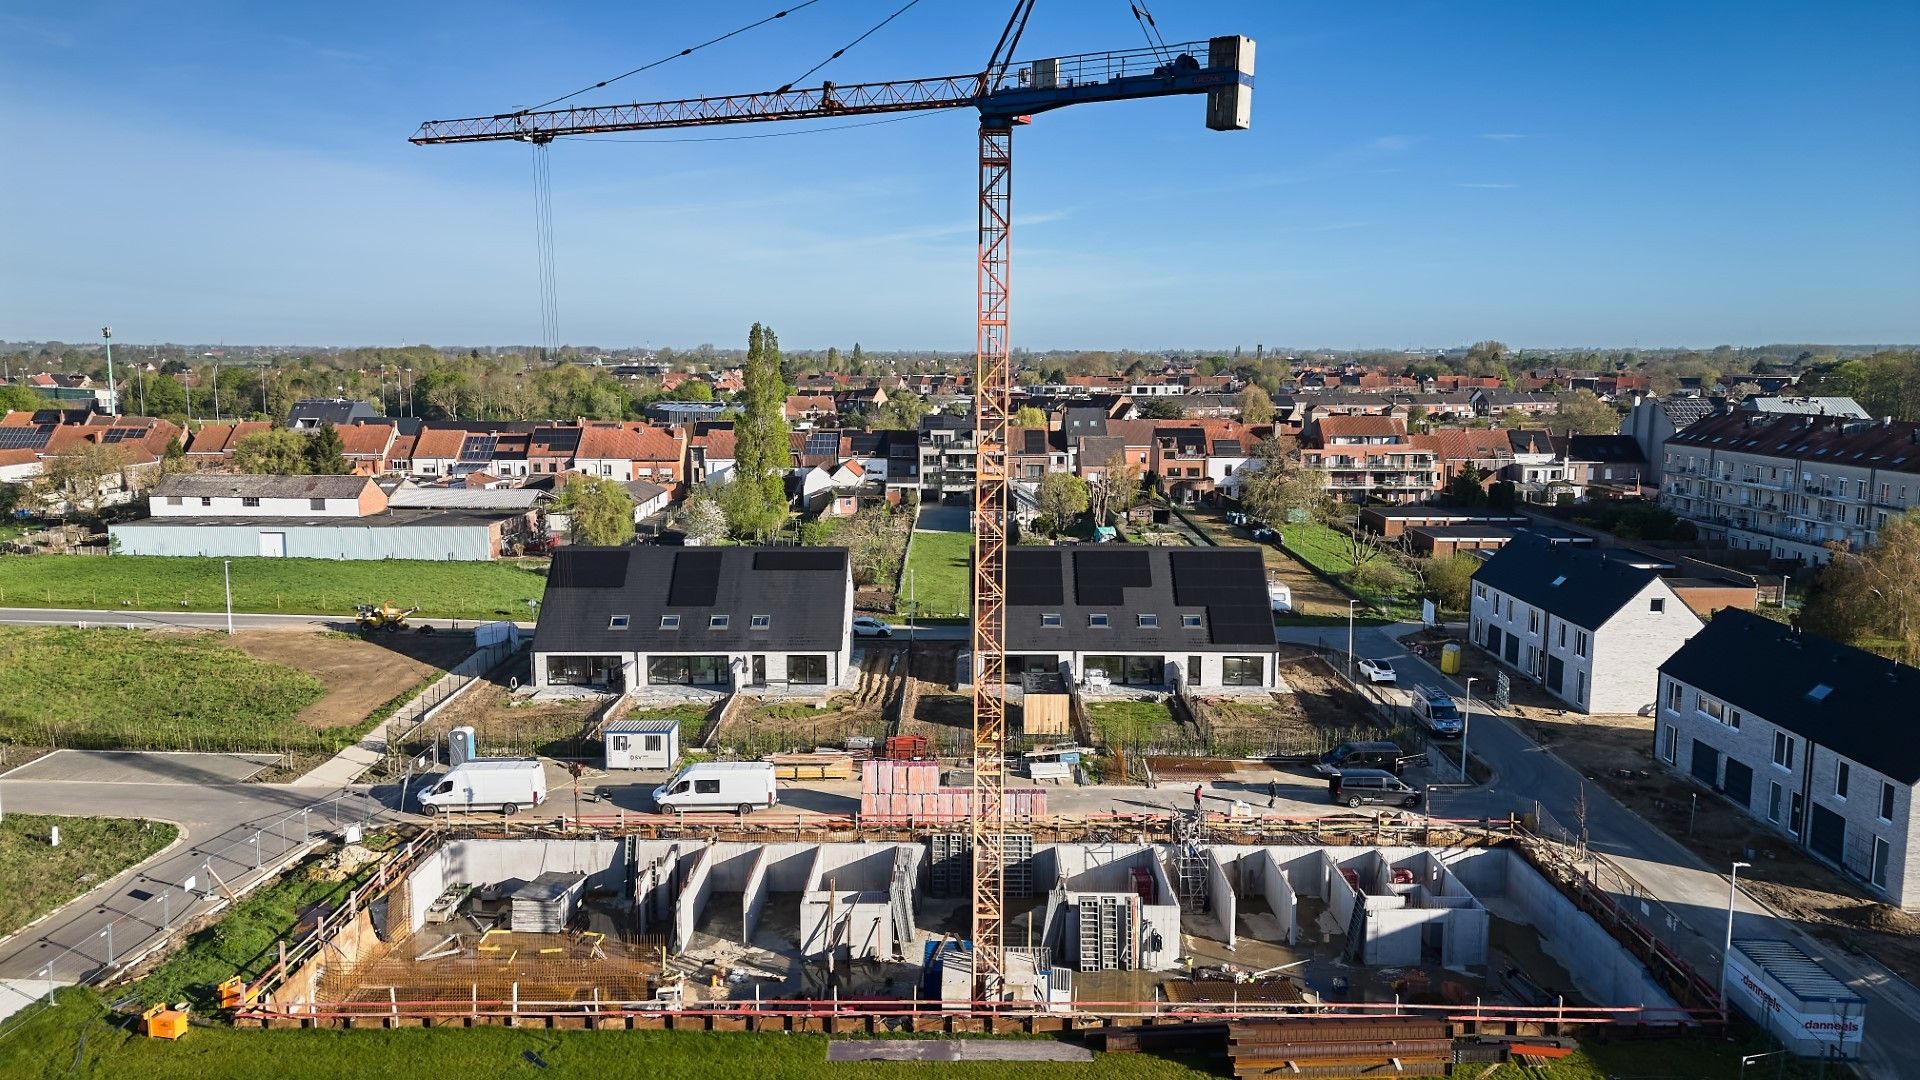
column 1706, row 764
column 760, row 670
column 1513, row 650
column 1556, row 672
column 1739, row 783
column 1829, row 835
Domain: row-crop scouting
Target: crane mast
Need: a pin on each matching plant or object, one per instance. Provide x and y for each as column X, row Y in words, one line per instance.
column 1006, row 96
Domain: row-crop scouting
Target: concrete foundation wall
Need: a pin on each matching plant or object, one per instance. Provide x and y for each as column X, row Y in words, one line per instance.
column 696, row 887
column 1224, row 902
column 1601, row 968
column 753, row 896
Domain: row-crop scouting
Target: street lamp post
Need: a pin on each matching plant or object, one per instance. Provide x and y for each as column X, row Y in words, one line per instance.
column 113, row 395
column 226, row 574
column 1351, row 604
column 1466, row 721
column 1733, row 885
column 108, row 934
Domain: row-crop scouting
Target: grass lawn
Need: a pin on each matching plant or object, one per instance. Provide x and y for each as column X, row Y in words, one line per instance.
column 135, row 689
column 1128, row 723
column 942, row 568
column 444, row 590
column 36, row 878
column 1326, row 550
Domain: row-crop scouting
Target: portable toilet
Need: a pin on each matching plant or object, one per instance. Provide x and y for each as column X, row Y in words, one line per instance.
column 1450, row 659
column 461, row 746
column 642, row 744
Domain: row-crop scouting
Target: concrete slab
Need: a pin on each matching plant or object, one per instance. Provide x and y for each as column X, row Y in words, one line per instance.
column 142, row 767
column 955, row 1050
column 935, row 517
column 18, row 994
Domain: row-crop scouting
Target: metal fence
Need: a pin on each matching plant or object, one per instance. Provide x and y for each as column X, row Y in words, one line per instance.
column 183, row 888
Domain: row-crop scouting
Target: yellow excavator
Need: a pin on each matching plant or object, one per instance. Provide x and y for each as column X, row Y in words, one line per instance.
column 387, row 616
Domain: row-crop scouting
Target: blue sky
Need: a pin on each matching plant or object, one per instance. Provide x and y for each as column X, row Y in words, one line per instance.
column 1417, row 174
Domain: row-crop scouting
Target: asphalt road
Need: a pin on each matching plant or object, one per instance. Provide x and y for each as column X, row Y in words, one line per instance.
column 1694, row 893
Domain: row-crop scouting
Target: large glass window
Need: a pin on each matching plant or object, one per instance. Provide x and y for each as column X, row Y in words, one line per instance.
column 1129, row 670
column 583, row 670
column 1043, row 663
column 807, row 670
column 687, row 670
column 1243, row 670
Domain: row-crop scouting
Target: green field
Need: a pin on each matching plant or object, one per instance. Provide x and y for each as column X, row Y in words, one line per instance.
column 36, row 878
column 80, row 1037
column 103, row 688
column 444, row 590
column 942, row 566
column 1325, row 549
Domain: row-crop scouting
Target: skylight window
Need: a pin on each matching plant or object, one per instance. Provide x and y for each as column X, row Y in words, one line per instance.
column 1561, row 580
column 669, row 622
column 718, row 622
column 1051, row 619
column 616, row 622
column 761, row 622
column 1190, row 622
column 1820, row 692
column 1149, row 622
column 1097, row 620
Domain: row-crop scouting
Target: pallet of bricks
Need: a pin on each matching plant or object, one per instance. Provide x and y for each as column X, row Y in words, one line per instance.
column 1366, row 1046
column 912, row 791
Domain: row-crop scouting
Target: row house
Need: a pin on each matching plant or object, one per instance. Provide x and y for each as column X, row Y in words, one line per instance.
column 1487, row 450
column 1589, row 627
column 1496, row 403
column 1197, row 461
column 1791, row 485
column 811, row 410
column 29, row 439
column 368, row 447
column 1810, row 738
column 211, row 445
column 710, row 453
column 1369, row 457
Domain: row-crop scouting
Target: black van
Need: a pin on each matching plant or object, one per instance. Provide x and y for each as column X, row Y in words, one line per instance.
column 1366, row 755
column 1378, row 786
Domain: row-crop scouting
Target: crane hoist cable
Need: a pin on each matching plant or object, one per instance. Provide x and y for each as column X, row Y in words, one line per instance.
column 543, row 243
column 842, row 50
column 688, row 51
column 1150, row 28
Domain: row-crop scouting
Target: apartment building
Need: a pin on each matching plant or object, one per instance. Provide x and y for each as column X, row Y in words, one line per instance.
column 1791, row 485
column 948, row 455
column 1370, row 457
column 1808, row 736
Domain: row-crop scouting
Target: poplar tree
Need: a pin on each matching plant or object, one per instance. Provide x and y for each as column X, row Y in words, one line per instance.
column 755, row 500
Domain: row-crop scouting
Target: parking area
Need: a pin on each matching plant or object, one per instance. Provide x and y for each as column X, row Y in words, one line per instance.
column 143, row 767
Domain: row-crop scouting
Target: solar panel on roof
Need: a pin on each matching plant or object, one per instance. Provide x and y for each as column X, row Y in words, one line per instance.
column 799, row 559
column 23, row 438
column 696, row 579
column 573, row 569
column 1100, row 577
column 1033, row 577
column 478, row 447
column 120, row 434
column 823, row 444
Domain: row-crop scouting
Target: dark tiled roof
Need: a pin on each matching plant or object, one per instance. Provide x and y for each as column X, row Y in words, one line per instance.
column 1859, row 443
column 1771, row 670
column 803, row 591
column 1227, row 587
column 1684, row 410
column 1607, row 449
column 229, row 485
column 1591, row 589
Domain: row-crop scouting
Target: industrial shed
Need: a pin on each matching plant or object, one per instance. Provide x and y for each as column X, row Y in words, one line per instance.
column 451, row 536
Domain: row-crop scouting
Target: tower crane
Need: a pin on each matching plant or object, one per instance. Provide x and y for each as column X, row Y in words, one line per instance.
column 1006, row 96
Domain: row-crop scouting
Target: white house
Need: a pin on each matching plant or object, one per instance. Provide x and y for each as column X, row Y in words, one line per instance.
column 205, row 495
column 1812, row 738
column 1589, row 628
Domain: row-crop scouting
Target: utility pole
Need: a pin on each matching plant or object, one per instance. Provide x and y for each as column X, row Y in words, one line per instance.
column 226, row 573
column 113, row 396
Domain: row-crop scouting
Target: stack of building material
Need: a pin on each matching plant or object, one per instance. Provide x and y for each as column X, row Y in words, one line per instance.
column 1371, row 1046
column 825, row 766
column 544, row 905
column 902, row 790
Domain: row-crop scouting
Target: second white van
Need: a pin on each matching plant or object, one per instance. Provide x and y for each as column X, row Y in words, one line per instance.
column 719, row 785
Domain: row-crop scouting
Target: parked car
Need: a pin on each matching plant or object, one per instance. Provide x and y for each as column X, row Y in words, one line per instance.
column 719, row 785
column 1367, row 755
column 502, row 784
column 1378, row 671
column 1437, row 711
column 870, row 627
column 1355, row 787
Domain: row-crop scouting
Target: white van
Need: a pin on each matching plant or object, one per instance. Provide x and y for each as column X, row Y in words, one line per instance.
column 719, row 785
column 504, row 784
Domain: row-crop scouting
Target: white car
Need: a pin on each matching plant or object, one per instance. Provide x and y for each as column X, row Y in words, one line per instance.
column 1378, row 671
column 866, row 627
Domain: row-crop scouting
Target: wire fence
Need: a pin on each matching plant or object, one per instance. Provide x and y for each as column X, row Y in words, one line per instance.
column 178, row 891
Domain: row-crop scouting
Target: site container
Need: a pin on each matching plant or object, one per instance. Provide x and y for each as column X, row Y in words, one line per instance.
column 1796, row 998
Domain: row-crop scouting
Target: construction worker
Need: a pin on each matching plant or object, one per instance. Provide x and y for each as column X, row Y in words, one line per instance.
column 1273, row 793
column 1196, row 798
